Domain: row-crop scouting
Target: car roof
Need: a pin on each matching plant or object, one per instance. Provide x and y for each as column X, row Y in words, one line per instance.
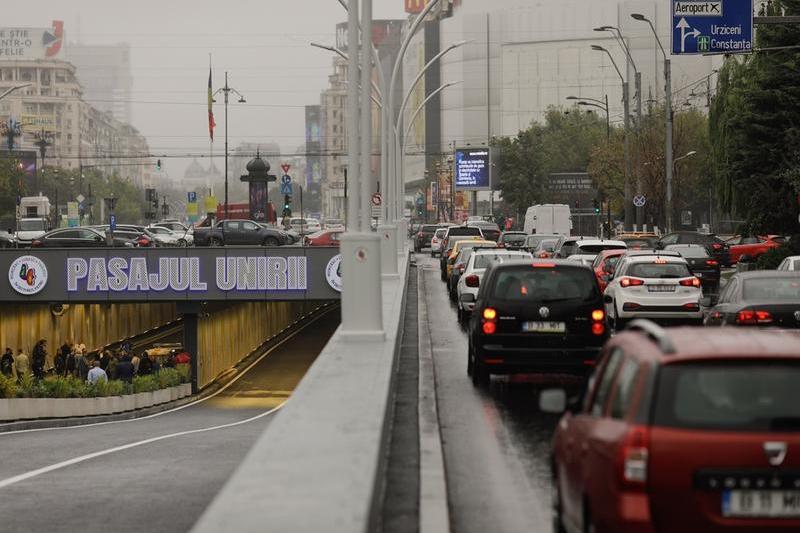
column 472, row 243
column 649, row 258
column 545, row 262
column 640, row 253
column 679, row 345
column 766, row 274
column 499, row 251
column 634, row 235
column 592, row 242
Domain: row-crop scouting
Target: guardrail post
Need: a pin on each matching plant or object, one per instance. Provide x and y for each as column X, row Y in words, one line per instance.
column 362, row 298
column 388, row 235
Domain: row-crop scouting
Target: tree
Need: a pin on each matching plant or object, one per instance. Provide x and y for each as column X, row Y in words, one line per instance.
column 755, row 128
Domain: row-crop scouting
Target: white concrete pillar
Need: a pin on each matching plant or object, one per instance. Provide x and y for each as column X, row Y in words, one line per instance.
column 402, row 235
column 388, row 235
column 362, row 300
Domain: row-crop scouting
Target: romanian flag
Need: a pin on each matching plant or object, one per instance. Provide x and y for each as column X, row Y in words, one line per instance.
column 211, row 122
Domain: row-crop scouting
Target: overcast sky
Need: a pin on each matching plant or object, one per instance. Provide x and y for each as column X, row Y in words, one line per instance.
column 262, row 43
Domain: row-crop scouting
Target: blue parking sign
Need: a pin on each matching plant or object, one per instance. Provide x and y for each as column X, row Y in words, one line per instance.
column 192, row 197
column 112, row 222
column 712, row 26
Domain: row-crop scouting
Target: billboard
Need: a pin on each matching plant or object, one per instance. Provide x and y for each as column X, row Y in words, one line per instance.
column 31, row 43
column 313, row 144
column 473, row 170
column 258, row 201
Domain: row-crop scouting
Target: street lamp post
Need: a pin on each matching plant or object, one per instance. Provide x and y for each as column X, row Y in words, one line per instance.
column 14, row 88
column 668, row 119
column 226, row 91
column 627, row 200
column 600, row 104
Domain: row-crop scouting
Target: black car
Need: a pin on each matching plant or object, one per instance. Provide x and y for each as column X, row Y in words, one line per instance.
column 720, row 249
column 490, row 230
column 512, row 240
column 766, row 298
column 536, row 317
column 422, row 239
column 77, row 238
column 701, row 264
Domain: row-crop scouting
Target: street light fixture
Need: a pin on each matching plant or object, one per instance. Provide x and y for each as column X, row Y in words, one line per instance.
column 668, row 119
column 14, row 88
column 227, row 90
column 417, row 111
column 377, row 99
column 599, row 104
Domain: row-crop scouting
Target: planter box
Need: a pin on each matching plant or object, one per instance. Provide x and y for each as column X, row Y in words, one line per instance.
column 143, row 399
column 161, row 396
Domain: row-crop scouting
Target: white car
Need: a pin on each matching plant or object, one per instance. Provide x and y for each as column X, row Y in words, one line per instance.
column 587, row 249
column 469, row 282
column 334, row 224
column 305, row 226
column 791, row 264
column 436, row 241
column 167, row 237
column 655, row 286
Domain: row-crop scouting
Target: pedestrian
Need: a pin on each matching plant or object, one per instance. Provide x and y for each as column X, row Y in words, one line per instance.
column 112, row 365
column 96, row 374
column 69, row 365
column 81, row 363
column 135, row 360
column 105, row 359
column 145, row 365
column 7, row 363
column 38, row 358
column 66, row 347
column 125, row 369
column 60, row 361
column 182, row 358
column 22, row 365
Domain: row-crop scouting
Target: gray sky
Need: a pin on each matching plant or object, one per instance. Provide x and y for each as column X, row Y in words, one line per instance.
column 262, row 43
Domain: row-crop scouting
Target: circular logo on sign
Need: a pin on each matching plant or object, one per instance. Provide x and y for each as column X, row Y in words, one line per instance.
column 27, row 275
column 333, row 273
column 544, row 312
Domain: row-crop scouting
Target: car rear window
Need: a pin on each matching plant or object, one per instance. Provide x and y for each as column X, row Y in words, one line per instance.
column 641, row 243
column 440, row 233
column 535, row 283
column 658, row 270
column 483, row 260
column 464, row 231
column 429, row 229
column 597, row 248
column 692, row 251
column 796, row 264
column 772, row 289
column 758, row 396
column 514, row 239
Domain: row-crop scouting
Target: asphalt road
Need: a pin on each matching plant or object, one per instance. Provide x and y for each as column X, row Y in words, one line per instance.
column 165, row 482
column 496, row 442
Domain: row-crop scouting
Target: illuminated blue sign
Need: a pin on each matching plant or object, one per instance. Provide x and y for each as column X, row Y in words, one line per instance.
column 473, row 169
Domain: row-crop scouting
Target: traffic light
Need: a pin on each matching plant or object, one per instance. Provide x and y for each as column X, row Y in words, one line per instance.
column 287, row 205
column 596, row 206
column 158, row 165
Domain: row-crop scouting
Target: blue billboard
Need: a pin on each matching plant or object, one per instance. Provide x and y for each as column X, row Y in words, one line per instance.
column 473, row 170
column 712, row 26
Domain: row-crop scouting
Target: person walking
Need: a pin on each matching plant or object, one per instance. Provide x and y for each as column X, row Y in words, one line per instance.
column 81, row 363
column 125, row 369
column 96, row 374
column 38, row 358
column 60, row 361
column 69, row 365
column 7, row 363
column 112, row 366
column 145, row 365
column 105, row 359
column 22, row 365
column 135, row 360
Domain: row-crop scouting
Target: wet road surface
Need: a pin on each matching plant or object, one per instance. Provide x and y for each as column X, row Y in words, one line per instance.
column 496, row 442
column 162, row 484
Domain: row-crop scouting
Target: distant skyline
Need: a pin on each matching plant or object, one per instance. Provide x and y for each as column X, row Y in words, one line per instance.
column 262, row 44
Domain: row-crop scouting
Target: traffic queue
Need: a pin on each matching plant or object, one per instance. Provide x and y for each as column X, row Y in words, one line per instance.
column 669, row 428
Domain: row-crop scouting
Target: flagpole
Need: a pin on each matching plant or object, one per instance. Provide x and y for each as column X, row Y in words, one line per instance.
column 209, row 183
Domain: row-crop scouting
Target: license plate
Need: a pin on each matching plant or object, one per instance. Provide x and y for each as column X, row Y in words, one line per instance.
column 766, row 503
column 544, row 327
column 661, row 288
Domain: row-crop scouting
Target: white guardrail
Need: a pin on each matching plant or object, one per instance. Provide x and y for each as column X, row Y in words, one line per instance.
column 319, row 464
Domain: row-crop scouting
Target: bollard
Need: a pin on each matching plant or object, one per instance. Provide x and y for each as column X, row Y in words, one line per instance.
column 388, row 235
column 362, row 299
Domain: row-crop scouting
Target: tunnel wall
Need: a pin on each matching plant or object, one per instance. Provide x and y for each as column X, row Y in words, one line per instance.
column 95, row 325
column 226, row 336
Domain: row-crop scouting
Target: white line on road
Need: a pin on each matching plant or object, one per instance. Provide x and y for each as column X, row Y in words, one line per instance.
column 176, row 409
column 69, row 462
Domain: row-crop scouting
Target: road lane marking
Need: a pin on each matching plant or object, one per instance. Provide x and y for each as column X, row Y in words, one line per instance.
column 191, row 404
column 76, row 460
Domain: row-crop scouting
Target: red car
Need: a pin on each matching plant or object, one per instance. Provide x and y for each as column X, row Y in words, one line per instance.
column 753, row 247
column 323, row 238
column 686, row 430
column 604, row 264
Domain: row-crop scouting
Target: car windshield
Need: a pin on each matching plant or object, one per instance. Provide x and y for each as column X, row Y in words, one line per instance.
column 532, row 241
column 731, row 396
column 658, row 270
column 544, row 284
column 691, row 251
column 515, row 239
column 482, row 260
column 31, row 225
column 546, row 246
column 772, row 289
column 440, row 233
column 597, row 248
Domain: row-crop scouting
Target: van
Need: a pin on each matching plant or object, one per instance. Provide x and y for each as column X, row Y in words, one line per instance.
column 554, row 219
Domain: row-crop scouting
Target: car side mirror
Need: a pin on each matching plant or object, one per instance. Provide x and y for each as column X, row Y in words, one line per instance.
column 659, row 245
column 467, row 298
column 608, row 299
column 553, row 401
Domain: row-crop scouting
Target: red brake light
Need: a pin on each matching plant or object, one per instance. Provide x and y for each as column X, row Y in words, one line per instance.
column 472, row 281
column 631, row 282
column 598, row 328
column 143, row 242
column 36, row 244
column 544, row 265
column 690, row 282
column 634, row 455
column 712, row 262
column 716, row 246
column 489, row 328
column 750, row 317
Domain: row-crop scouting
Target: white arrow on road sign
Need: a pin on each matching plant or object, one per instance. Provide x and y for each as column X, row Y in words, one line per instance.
column 286, row 178
column 683, row 26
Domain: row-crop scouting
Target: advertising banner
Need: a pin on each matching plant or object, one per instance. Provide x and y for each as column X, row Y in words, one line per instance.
column 31, row 43
column 258, row 201
column 473, row 169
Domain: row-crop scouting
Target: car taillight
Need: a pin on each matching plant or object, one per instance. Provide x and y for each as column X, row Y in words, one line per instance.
column 489, row 325
column 690, row 282
column 712, row 262
column 716, row 246
column 631, row 282
column 598, row 315
column 544, row 265
column 489, row 314
column 143, row 242
column 691, row 306
column 36, row 244
column 753, row 317
column 489, row 328
column 634, row 456
column 472, row 281
column 598, row 322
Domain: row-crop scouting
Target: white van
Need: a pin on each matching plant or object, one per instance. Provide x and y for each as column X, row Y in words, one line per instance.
column 554, row 219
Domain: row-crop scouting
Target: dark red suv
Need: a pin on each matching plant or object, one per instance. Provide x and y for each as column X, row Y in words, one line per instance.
column 687, row 430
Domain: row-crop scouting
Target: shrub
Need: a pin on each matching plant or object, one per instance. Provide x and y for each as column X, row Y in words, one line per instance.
column 145, row 384
column 26, row 387
column 8, row 387
column 168, row 377
column 118, row 388
column 185, row 372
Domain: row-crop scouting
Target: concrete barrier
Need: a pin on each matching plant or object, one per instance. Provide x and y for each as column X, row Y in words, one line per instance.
column 319, row 464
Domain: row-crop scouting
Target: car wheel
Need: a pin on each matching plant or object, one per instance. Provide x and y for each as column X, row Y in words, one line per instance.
column 182, row 243
column 213, row 241
column 270, row 241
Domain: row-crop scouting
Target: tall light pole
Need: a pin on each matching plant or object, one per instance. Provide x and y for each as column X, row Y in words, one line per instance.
column 668, row 120
column 14, row 88
column 226, row 91
column 417, row 111
column 637, row 75
column 600, row 104
column 627, row 200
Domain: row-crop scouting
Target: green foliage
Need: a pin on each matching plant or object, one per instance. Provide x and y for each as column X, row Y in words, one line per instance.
column 8, row 387
column 10, row 178
column 774, row 257
column 755, row 128
column 145, row 384
column 71, row 387
column 185, row 373
column 168, row 377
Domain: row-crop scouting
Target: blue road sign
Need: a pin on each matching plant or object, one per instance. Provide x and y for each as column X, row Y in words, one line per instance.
column 286, row 188
column 712, row 26
column 192, row 195
column 112, row 222
column 286, row 178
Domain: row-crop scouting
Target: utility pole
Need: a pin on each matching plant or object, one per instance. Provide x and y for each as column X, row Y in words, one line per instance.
column 226, row 91
column 668, row 143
